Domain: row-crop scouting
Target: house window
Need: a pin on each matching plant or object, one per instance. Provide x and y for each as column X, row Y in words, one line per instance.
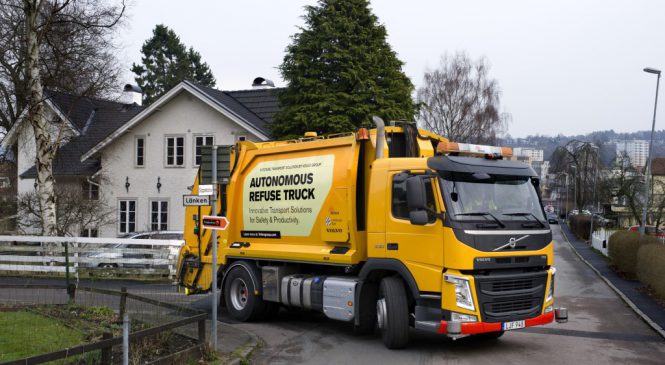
column 159, row 215
column 139, row 150
column 175, row 151
column 5, row 183
column 200, row 141
column 89, row 232
column 90, row 191
column 127, row 216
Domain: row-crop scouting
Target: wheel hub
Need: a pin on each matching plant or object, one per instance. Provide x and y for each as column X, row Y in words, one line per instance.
column 239, row 294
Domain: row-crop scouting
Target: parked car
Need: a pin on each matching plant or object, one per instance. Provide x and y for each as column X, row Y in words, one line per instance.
column 116, row 252
column 650, row 230
column 552, row 218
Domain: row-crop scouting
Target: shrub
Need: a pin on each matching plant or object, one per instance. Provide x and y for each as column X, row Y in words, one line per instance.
column 651, row 267
column 580, row 225
column 623, row 246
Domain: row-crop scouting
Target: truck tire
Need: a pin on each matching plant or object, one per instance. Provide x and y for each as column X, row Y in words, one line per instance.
column 392, row 313
column 239, row 297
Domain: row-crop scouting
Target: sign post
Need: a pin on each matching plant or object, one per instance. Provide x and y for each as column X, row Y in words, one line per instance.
column 213, row 213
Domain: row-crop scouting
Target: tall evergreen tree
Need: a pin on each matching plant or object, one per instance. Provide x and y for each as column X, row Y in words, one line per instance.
column 166, row 62
column 340, row 71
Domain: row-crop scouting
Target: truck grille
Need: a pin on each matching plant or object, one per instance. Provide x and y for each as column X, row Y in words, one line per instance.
column 508, row 285
column 510, row 297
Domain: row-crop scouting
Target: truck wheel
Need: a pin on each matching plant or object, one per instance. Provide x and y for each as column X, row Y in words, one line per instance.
column 392, row 313
column 239, row 297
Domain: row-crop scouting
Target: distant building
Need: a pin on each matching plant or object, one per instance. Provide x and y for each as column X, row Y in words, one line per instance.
column 637, row 150
column 534, row 154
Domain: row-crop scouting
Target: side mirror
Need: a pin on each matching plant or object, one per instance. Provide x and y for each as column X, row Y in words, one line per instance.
column 415, row 193
column 418, row 217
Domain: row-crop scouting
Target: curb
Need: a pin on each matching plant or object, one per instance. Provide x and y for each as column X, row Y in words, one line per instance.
column 246, row 351
column 623, row 297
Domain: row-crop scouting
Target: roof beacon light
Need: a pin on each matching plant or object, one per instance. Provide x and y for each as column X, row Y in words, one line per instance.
column 467, row 149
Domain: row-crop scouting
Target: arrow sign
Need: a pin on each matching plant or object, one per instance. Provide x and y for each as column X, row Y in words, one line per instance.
column 218, row 223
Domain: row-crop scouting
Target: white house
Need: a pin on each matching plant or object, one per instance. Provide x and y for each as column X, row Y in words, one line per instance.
column 142, row 159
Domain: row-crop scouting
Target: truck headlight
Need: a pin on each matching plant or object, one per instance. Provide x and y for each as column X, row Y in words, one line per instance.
column 462, row 292
column 459, row 317
column 550, row 292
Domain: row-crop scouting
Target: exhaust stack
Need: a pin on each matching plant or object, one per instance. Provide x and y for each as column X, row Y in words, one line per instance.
column 380, row 135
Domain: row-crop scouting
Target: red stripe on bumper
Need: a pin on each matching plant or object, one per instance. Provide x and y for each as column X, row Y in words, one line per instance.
column 473, row 328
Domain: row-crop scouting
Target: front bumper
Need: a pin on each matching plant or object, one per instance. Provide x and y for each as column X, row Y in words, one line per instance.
column 472, row 328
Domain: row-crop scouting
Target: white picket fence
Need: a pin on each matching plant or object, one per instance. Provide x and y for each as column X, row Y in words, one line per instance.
column 122, row 256
column 601, row 238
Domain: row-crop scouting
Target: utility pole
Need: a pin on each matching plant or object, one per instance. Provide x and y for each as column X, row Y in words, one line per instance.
column 647, row 169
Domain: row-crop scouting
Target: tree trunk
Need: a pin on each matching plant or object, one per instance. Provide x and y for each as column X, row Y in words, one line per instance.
column 44, row 146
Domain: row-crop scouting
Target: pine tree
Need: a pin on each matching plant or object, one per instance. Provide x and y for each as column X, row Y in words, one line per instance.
column 166, row 62
column 340, row 71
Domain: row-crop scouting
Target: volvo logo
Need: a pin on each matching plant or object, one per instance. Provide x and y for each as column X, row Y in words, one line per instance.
column 512, row 242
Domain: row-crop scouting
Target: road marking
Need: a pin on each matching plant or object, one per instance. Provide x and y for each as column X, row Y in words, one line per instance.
column 621, row 295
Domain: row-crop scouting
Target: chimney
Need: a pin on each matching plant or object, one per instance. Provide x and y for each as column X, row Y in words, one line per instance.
column 262, row 83
column 132, row 94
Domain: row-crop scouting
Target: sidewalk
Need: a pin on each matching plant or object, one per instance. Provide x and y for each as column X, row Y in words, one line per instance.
column 643, row 304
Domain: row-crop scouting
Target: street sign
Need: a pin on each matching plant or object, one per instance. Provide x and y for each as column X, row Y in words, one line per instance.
column 195, row 200
column 205, row 189
column 218, row 223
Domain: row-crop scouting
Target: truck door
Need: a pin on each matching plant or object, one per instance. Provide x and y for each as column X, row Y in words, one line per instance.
column 418, row 247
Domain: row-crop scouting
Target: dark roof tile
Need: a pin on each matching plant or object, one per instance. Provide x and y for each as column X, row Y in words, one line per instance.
column 95, row 119
column 658, row 166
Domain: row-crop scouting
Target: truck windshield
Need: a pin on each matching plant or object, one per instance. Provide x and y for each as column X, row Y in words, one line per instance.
column 491, row 197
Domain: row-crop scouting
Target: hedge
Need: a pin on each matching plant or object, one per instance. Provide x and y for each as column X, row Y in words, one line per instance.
column 623, row 247
column 651, row 267
column 580, row 226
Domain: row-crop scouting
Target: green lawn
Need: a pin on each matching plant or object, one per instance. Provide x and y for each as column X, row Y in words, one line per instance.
column 27, row 334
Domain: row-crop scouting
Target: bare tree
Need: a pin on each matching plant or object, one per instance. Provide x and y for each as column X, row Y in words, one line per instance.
column 60, row 44
column 76, row 208
column 581, row 161
column 460, row 101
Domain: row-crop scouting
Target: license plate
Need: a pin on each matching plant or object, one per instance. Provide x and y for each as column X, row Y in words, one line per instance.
column 507, row 326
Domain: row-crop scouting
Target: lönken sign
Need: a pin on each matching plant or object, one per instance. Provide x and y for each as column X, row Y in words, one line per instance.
column 195, row 200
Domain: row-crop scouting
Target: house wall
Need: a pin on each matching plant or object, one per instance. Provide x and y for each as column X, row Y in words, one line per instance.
column 183, row 115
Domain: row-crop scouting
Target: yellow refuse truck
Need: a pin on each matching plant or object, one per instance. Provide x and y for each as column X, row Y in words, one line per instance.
column 417, row 232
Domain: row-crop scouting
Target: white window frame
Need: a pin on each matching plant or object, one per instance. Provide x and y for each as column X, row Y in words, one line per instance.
column 194, row 137
column 159, row 214
column 175, row 146
column 87, row 188
column 136, row 150
column 87, row 232
column 127, row 222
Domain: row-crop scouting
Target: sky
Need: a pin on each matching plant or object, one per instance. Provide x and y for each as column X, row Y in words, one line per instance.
column 564, row 66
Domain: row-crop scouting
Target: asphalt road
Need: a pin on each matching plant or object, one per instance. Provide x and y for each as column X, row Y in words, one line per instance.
column 602, row 329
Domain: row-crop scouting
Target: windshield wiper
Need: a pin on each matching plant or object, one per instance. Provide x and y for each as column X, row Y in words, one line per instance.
column 482, row 214
column 526, row 214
